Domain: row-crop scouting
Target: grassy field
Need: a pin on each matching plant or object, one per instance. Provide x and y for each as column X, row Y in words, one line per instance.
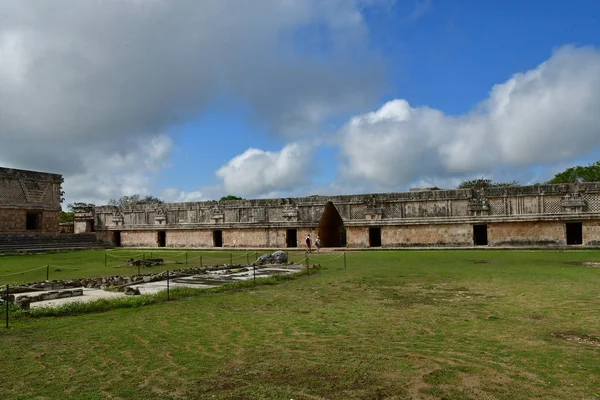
column 23, row 268
column 392, row 325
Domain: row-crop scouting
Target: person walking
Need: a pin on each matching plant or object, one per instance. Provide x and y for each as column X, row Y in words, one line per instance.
column 308, row 243
column 318, row 243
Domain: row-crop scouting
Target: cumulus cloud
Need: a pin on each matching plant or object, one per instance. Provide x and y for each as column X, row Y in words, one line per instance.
column 108, row 174
column 546, row 115
column 258, row 172
column 84, row 80
column 172, row 195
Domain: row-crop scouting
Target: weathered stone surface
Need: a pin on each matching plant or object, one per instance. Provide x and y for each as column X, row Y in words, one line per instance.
column 279, row 257
column 131, row 291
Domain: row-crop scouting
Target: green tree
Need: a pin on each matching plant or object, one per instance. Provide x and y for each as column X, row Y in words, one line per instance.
column 481, row 183
column 66, row 216
column 135, row 199
column 590, row 173
column 230, row 197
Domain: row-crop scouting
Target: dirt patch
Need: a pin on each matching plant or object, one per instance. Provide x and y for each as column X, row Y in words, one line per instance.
column 581, row 339
column 595, row 264
column 481, row 261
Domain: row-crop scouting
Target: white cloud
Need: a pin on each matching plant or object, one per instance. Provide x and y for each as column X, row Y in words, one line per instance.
column 85, row 81
column 547, row 115
column 172, row 195
column 257, row 172
column 106, row 176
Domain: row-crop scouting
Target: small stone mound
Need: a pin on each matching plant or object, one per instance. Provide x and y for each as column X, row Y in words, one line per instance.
column 279, row 257
column 581, row 339
column 131, row 291
column 585, row 263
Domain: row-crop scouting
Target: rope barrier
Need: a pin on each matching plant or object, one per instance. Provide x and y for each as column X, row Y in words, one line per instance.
column 24, row 272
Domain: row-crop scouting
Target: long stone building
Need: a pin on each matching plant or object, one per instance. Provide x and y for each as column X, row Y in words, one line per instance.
column 29, row 201
column 540, row 215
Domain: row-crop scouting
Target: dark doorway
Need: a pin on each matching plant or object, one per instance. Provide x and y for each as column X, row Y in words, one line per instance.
column 374, row 237
column 218, row 238
column 480, row 237
column 291, row 238
column 574, row 233
column 330, row 227
column 161, row 238
column 32, row 221
column 117, row 238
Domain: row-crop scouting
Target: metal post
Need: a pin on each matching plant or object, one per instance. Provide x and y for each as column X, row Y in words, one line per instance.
column 247, row 259
column 254, row 274
column 150, row 254
column 47, row 272
column 255, row 255
column 6, row 301
column 307, row 266
column 138, row 268
column 230, row 259
column 186, row 258
column 344, row 260
column 105, row 259
column 200, row 260
column 168, row 295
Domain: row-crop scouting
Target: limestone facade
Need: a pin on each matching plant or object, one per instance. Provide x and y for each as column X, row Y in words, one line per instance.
column 29, row 201
column 516, row 216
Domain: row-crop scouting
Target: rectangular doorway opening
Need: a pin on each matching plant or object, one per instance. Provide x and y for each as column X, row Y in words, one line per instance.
column 161, row 239
column 480, row 236
column 291, row 238
column 574, row 233
column 374, row 237
column 217, row 238
column 117, row 238
column 33, row 221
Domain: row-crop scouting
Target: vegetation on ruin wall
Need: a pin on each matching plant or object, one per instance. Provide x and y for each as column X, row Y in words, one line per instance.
column 431, row 325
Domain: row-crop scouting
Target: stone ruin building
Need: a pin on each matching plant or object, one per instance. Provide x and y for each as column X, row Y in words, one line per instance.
column 30, row 213
column 540, row 215
column 29, row 201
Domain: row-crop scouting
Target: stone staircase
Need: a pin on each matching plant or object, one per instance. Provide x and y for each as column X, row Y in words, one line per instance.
column 17, row 242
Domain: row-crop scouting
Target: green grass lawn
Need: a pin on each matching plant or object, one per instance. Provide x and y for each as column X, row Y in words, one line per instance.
column 392, row 325
column 24, row 268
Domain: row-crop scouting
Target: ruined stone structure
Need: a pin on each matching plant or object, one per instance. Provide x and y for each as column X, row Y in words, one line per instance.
column 29, row 201
column 554, row 215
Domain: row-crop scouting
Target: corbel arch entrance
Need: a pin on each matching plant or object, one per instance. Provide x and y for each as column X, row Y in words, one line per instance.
column 331, row 227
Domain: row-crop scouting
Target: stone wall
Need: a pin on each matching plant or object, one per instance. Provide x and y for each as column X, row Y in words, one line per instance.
column 522, row 215
column 29, row 191
column 427, row 235
column 13, row 220
column 532, row 233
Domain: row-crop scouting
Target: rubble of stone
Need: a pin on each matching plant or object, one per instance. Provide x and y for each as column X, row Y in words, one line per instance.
column 150, row 262
column 131, row 291
column 279, row 257
column 25, row 301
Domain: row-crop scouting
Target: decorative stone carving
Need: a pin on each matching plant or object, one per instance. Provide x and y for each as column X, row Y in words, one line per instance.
column 160, row 217
column 117, row 217
column 573, row 202
column 479, row 204
column 217, row 214
column 290, row 213
column 374, row 210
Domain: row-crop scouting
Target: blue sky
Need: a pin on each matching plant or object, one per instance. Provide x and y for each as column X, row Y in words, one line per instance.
column 192, row 100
